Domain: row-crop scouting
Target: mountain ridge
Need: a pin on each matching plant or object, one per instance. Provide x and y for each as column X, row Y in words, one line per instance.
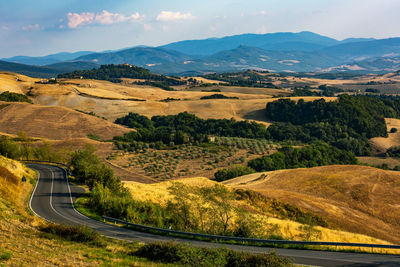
column 278, row 52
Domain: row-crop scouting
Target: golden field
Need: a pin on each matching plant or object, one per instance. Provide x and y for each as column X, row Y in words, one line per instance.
column 357, row 199
column 56, row 123
column 112, row 100
column 160, row 193
column 381, row 144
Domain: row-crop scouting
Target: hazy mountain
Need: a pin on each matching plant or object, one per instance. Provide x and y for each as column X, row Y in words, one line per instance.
column 245, row 57
column 214, row 45
column 32, row 71
column 69, row 66
column 356, row 40
column 379, row 64
column 357, row 51
column 139, row 56
column 293, row 46
column 45, row 71
column 46, row 60
column 298, row 52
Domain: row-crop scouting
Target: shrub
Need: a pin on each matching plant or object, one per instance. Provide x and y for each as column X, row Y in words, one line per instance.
column 14, row 97
column 232, row 172
column 5, row 256
column 192, row 256
column 82, row 234
column 218, row 96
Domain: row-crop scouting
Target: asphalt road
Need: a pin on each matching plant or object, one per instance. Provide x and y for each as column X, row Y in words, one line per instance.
column 53, row 200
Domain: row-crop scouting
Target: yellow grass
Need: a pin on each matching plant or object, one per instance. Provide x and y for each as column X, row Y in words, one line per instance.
column 20, row 237
column 9, row 82
column 204, row 80
column 57, row 123
column 381, row 144
column 67, row 94
column 358, row 199
column 159, row 193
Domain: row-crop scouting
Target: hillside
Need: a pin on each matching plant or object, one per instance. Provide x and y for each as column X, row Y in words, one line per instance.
column 352, row 198
column 381, row 144
column 161, row 193
column 31, row 70
column 23, row 244
column 46, row 71
column 211, row 46
column 55, row 123
column 279, row 52
column 140, row 56
column 47, row 60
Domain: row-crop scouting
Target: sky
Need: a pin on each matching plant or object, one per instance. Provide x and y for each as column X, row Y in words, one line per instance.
column 42, row 27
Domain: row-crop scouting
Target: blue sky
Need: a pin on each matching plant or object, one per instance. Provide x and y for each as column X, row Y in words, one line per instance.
column 42, row 27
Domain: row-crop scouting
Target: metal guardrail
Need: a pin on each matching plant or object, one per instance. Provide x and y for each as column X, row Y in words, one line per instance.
column 230, row 238
column 65, row 166
column 251, row 240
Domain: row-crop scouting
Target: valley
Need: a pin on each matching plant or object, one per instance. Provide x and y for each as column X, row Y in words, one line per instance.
column 262, row 143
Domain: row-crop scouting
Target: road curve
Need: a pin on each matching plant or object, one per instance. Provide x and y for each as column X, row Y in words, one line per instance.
column 53, row 199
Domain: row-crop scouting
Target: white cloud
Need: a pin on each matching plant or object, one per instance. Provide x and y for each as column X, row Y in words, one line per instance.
column 76, row 20
column 174, row 16
column 4, row 28
column 33, row 27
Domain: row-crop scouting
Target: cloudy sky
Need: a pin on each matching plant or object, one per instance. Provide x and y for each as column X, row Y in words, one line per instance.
column 43, row 27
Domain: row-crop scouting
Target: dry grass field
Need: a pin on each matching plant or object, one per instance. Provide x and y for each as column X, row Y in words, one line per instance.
column 161, row 194
column 379, row 161
column 112, row 100
column 16, row 83
column 357, row 199
column 381, row 144
column 56, row 123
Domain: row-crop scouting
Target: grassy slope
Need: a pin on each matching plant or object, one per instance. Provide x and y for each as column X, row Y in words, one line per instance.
column 57, row 123
column 381, row 144
column 289, row 229
column 353, row 198
column 21, row 244
column 90, row 96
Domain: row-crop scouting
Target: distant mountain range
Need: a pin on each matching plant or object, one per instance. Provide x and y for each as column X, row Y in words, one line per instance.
column 279, row 52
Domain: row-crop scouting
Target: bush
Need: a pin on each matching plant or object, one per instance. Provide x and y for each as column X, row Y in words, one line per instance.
column 5, row 256
column 14, row 97
column 218, row 96
column 393, row 130
column 88, row 169
column 192, row 256
column 232, row 172
column 83, row 234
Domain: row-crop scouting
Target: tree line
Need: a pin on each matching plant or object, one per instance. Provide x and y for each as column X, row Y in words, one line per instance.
column 347, row 123
column 114, row 73
column 185, row 128
column 313, row 155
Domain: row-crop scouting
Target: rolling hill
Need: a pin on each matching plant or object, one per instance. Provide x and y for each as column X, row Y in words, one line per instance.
column 212, row 46
column 353, row 198
column 56, row 123
column 46, row 71
column 46, row 60
column 139, row 56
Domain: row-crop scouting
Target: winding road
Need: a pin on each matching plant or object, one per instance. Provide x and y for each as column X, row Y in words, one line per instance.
column 53, row 199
